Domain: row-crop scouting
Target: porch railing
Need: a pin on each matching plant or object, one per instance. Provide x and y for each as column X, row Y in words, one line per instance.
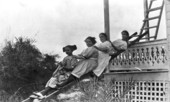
column 144, row 55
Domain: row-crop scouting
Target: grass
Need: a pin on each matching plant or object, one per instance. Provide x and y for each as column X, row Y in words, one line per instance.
column 4, row 97
column 93, row 91
column 101, row 91
column 20, row 94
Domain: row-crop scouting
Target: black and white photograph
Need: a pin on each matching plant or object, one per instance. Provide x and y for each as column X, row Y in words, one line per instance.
column 84, row 50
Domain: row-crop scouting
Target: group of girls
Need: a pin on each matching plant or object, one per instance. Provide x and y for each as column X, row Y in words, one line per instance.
column 94, row 60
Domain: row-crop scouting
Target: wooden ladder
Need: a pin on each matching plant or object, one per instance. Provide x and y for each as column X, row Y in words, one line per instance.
column 145, row 26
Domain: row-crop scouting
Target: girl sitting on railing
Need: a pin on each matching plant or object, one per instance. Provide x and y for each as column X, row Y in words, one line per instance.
column 107, row 48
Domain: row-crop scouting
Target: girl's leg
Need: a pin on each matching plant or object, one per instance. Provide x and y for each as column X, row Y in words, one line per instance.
column 46, row 90
column 92, row 74
column 70, row 79
column 42, row 94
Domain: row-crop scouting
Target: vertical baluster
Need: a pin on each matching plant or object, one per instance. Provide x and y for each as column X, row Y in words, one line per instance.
column 138, row 56
column 158, row 54
column 163, row 54
column 152, row 56
column 148, row 55
column 142, row 56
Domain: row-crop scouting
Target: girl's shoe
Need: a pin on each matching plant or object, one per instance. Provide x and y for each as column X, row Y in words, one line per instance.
column 33, row 96
column 39, row 95
column 36, row 100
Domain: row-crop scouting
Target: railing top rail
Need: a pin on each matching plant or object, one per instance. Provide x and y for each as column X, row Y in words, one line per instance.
column 148, row 43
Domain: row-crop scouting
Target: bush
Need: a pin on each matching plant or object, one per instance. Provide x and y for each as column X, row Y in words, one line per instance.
column 23, row 66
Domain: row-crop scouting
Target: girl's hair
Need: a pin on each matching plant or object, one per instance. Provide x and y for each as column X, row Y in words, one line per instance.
column 104, row 34
column 93, row 39
column 126, row 32
column 72, row 47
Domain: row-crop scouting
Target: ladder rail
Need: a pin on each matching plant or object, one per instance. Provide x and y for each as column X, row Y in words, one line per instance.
column 141, row 31
column 56, row 92
column 145, row 25
column 146, row 8
column 156, row 33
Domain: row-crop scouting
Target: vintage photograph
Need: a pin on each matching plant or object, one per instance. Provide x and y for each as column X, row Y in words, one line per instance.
column 84, row 50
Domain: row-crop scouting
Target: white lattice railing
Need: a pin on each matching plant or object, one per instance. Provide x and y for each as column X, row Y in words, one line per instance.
column 144, row 55
column 144, row 91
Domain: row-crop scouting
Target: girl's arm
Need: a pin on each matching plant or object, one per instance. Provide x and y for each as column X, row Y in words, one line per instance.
column 58, row 68
column 114, row 46
column 79, row 56
column 74, row 62
column 100, row 49
column 54, row 73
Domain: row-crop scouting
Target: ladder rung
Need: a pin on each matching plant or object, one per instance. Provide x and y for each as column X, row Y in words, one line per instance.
column 153, row 0
column 149, row 37
column 150, row 27
column 136, row 36
column 154, row 9
column 151, row 18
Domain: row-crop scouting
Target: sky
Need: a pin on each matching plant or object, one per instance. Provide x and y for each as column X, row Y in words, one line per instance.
column 54, row 24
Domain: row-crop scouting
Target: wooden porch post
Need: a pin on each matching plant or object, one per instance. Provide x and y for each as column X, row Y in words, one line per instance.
column 106, row 18
column 167, row 12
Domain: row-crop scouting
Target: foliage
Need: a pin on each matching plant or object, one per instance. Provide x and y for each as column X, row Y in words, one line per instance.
column 102, row 91
column 23, row 66
column 96, row 90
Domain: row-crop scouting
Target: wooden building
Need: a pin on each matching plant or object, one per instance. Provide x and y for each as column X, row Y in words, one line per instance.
column 147, row 63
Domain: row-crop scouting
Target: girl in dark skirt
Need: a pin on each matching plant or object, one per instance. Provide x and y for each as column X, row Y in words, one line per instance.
column 61, row 73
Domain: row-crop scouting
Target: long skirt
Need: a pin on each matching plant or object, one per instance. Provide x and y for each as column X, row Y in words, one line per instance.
column 59, row 78
column 84, row 67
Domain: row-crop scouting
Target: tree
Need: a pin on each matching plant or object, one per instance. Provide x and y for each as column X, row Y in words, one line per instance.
column 21, row 64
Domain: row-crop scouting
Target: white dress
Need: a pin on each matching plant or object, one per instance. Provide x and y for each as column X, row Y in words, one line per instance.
column 120, row 44
column 86, row 65
column 103, row 58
